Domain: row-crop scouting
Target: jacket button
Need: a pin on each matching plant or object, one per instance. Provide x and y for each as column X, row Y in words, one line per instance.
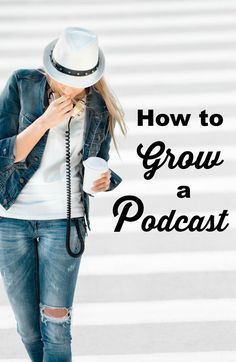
column 5, row 201
column 21, row 180
column 36, row 158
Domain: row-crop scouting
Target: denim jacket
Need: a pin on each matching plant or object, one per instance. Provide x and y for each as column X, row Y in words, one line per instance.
column 23, row 100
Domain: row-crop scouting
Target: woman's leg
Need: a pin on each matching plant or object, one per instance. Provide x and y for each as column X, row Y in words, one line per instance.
column 58, row 273
column 19, row 271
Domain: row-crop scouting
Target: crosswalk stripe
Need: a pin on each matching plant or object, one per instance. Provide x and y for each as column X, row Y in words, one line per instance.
column 180, row 77
column 141, row 312
column 211, row 356
column 131, row 156
column 102, row 224
column 141, row 7
column 180, row 23
column 202, row 57
column 179, row 262
column 203, row 99
column 194, row 128
column 109, row 39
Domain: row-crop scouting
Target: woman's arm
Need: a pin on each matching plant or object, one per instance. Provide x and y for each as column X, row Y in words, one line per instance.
column 15, row 147
column 9, row 121
column 115, row 179
column 28, row 138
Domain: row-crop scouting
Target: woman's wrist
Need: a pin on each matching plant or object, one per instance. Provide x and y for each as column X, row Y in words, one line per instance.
column 41, row 121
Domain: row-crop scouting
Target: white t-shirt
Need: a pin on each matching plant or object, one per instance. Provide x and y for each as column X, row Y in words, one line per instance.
column 44, row 196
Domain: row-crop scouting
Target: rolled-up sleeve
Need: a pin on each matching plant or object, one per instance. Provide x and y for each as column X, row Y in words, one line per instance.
column 9, row 120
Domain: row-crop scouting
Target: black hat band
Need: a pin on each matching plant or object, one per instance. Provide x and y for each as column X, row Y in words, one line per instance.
column 73, row 72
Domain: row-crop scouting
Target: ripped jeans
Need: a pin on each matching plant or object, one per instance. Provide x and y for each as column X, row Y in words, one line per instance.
column 39, row 277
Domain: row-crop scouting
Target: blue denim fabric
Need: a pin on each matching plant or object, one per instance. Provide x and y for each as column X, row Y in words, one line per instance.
column 22, row 101
column 38, row 273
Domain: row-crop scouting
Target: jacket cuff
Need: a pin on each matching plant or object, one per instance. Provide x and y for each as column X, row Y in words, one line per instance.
column 7, row 155
column 115, row 180
column 14, row 153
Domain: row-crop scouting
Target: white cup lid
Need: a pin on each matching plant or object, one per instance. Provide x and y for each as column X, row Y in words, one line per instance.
column 95, row 163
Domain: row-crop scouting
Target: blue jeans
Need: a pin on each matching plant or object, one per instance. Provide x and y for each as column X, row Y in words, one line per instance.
column 39, row 277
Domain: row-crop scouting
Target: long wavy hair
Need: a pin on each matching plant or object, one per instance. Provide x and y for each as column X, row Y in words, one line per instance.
column 115, row 110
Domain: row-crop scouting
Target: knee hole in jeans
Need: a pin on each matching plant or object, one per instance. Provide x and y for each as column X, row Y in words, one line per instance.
column 56, row 314
column 59, row 313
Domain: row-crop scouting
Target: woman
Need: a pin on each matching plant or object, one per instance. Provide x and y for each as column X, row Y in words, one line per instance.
column 36, row 109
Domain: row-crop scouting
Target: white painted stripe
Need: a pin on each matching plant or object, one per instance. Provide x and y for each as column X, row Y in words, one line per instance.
column 133, row 22
column 109, row 39
column 169, row 77
column 187, row 107
column 167, row 311
column 229, row 124
column 148, row 58
column 131, row 156
column 120, row 313
column 160, row 186
column 106, row 224
column 144, row 263
column 202, row 56
column 184, row 100
column 217, row 356
column 102, row 9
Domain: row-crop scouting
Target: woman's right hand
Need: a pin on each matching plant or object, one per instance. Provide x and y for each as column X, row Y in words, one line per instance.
column 57, row 110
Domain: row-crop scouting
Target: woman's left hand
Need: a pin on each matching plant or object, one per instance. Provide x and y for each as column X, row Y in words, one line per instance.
column 103, row 183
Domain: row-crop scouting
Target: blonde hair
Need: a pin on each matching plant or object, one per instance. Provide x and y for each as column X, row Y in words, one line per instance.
column 115, row 110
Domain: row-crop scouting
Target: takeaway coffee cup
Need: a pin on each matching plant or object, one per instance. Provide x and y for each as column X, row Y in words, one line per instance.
column 93, row 168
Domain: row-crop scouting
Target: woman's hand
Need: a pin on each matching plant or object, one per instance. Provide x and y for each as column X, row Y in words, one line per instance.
column 57, row 111
column 103, row 183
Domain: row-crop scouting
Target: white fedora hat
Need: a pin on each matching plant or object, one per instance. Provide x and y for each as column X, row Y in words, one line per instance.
column 74, row 59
